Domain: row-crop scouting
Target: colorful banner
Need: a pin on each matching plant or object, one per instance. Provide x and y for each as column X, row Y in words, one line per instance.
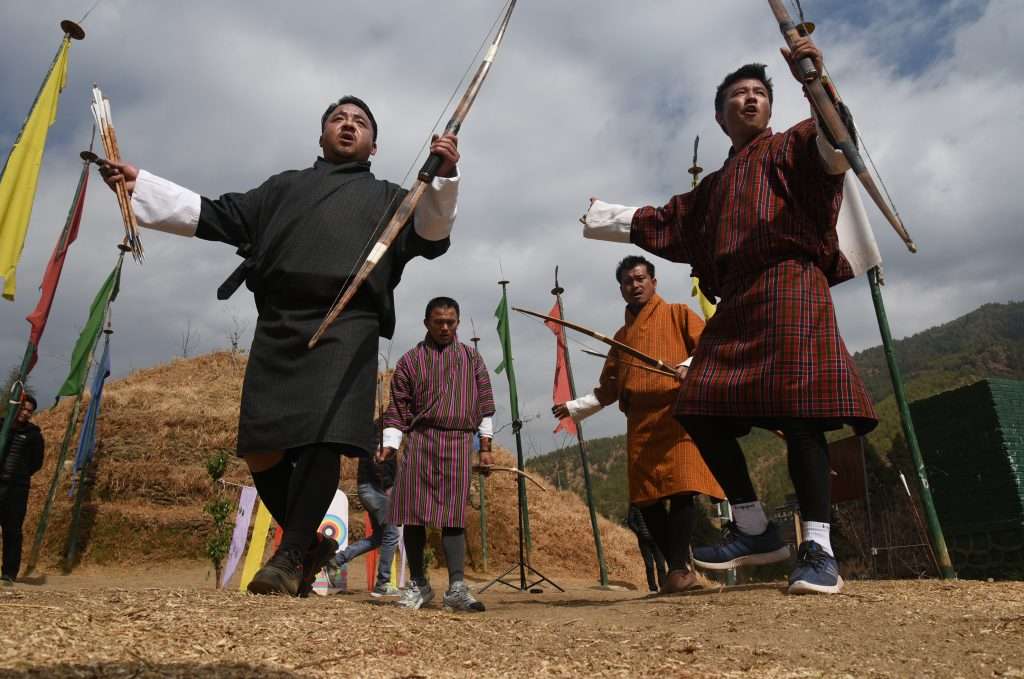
column 21, row 171
column 51, row 277
column 334, row 525
column 87, row 439
column 243, row 517
column 254, row 559
column 562, row 391
column 398, row 563
column 75, row 380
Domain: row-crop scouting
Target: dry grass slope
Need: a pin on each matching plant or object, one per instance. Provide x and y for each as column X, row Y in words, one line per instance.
column 158, row 427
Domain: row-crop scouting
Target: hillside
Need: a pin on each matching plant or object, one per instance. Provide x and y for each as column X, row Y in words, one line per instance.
column 988, row 341
column 159, row 426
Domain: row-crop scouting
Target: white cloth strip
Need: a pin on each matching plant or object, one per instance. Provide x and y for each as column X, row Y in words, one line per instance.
column 162, row 205
column 392, row 438
column 486, row 428
column 607, row 221
column 686, row 363
column 435, row 213
column 583, row 407
column 856, row 239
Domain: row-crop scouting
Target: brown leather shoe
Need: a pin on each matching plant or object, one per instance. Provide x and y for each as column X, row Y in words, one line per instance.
column 281, row 575
column 680, row 581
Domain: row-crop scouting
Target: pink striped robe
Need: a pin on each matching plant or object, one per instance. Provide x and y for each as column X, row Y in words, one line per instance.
column 439, row 395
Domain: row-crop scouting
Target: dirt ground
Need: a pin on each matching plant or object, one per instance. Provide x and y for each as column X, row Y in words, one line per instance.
column 168, row 622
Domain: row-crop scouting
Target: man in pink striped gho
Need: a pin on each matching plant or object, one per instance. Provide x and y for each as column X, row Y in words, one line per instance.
column 440, row 399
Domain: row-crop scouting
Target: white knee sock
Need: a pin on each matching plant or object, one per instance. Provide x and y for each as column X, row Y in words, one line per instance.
column 750, row 517
column 819, row 532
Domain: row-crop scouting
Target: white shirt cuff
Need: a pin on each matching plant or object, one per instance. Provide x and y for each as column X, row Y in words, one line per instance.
column 686, row 363
column 607, row 221
column 164, row 206
column 583, row 407
column 486, row 428
column 435, row 213
column 832, row 158
column 392, row 438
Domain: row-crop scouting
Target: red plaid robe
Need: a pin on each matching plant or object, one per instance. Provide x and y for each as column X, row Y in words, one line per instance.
column 760, row 233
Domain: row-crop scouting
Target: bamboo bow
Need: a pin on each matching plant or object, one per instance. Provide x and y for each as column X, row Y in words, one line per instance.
column 488, row 468
column 829, row 115
column 657, row 363
column 425, row 177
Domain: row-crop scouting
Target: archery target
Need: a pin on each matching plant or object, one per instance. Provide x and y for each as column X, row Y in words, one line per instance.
column 334, row 525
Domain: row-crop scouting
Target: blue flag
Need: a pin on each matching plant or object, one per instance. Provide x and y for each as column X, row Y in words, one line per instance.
column 87, row 441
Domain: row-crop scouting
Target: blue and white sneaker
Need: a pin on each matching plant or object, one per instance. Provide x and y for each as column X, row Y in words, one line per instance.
column 740, row 549
column 815, row 572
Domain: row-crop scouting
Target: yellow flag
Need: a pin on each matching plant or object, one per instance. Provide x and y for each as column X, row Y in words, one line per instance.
column 706, row 307
column 254, row 559
column 20, row 175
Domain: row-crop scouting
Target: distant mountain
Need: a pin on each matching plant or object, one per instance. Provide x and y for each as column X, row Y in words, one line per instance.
column 987, row 342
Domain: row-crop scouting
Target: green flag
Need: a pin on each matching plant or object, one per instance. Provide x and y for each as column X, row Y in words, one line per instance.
column 75, row 381
column 505, row 337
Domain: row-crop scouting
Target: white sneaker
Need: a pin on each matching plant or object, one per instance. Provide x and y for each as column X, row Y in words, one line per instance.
column 415, row 596
column 459, row 598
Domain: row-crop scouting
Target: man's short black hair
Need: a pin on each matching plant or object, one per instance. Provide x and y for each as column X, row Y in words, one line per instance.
column 630, row 263
column 745, row 72
column 29, row 398
column 441, row 303
column 349, row 99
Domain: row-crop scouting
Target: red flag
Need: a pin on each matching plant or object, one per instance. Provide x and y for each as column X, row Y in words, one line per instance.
column 53, row 270
column 562, row 392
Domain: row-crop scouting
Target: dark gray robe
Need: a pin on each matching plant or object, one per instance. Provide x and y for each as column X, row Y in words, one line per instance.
column 307, row 230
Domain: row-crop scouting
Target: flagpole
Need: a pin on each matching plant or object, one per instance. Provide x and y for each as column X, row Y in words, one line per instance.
column 83, row 474
column 69, row 432
column 517, row 425
column 71, row 31
column 522, row 565
column 723, row 511
column 581, row 442
column 28, row 361
column 481, row 478
column 44, row 514
column 934, row 527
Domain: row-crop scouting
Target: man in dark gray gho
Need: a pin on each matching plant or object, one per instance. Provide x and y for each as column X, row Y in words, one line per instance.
column 303, row 233
column 22, row 458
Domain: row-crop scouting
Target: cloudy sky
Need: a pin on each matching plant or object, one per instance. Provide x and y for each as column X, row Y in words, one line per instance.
column 586, row 98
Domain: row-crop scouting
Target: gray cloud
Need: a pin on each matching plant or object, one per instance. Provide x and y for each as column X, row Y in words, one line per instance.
column 585, row 99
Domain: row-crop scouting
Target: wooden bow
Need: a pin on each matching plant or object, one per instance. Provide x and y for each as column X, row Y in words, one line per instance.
column 488, row 468
column 829, row 115
column 424, row 178
column 625, row 348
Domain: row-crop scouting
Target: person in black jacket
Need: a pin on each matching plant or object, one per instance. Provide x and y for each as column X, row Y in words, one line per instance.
column 22, row 459
column 648, row 549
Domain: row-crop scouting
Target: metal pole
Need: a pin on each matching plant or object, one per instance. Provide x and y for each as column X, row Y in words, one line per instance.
column 482, row 486
column 44, row 515
column 934, row 527
column 83, row 479
column 584, row 461
column 517, row 425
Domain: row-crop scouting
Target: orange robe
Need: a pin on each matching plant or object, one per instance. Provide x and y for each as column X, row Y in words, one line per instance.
column 663, row 459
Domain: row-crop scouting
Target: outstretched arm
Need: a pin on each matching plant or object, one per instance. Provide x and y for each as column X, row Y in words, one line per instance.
column 658, row 230
column 162, row 205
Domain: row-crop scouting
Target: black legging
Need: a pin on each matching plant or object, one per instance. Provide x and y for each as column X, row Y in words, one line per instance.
column 298, row 490
column 672, row 528
column 807, row 460
column 453, row 542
